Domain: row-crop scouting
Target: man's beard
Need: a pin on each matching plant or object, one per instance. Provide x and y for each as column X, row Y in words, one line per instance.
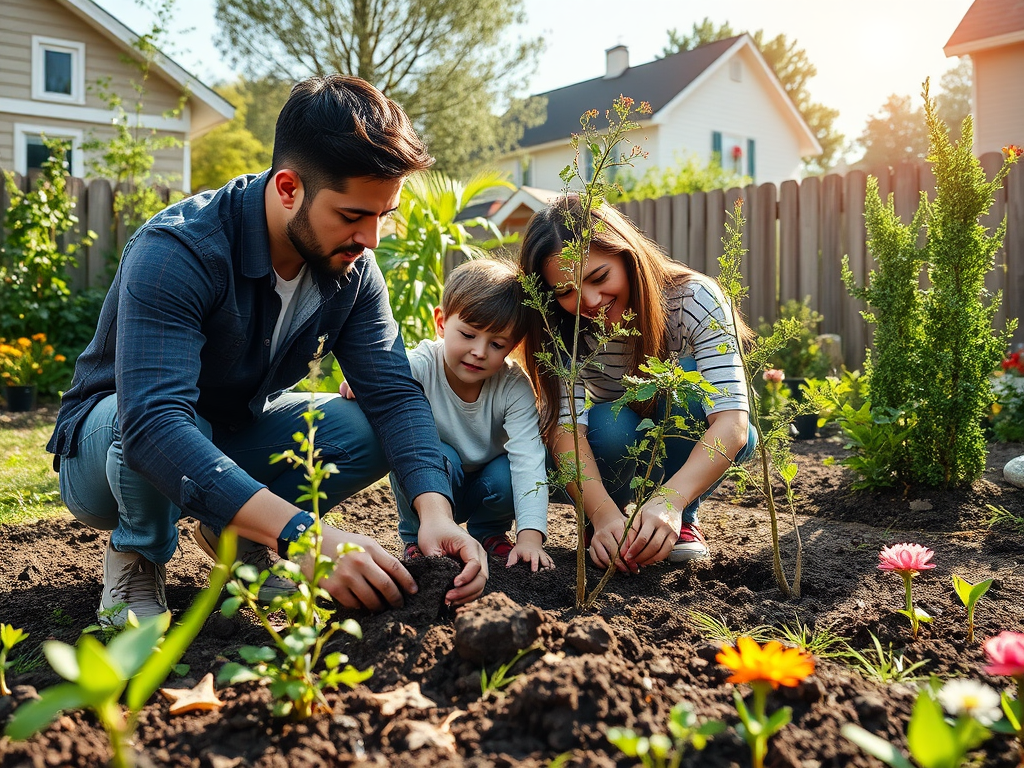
column 303, row 239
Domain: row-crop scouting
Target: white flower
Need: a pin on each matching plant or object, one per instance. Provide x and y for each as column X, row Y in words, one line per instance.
column 969, row 697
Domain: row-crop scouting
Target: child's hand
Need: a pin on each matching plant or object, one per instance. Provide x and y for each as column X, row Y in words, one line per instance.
column 346, row 391
column 529, row 548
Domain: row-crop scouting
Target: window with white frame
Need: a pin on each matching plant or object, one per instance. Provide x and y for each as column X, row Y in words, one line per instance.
column 30, row 152
column 525, row 172
column 58, row 70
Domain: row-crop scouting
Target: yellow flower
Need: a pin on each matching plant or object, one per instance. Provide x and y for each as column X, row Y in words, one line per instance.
column 996, row 408
column 23, row 342
column 773, row 664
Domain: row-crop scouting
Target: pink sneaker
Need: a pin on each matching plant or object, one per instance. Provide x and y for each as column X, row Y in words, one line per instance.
column 690, row 545
column 498, row 545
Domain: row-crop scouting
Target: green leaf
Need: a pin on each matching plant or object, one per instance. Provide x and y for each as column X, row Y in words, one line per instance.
column 130, row 649
column 779, row 719
column 254, row 655
column 625, row 740
column 34, row 716
column 1013, row 710
column 788, row 472
column 929, row 738
column 62, row 658
column 875, row 746
column 247, row 573
column 233, row 672
column 101, row 676
column 644, row 425
column 230, row 606
column 351, row 627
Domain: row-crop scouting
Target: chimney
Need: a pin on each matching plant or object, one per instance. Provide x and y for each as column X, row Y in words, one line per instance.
column 616, row 61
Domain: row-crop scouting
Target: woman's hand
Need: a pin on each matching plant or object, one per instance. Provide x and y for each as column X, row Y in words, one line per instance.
column 607, row 533
column 657, row 528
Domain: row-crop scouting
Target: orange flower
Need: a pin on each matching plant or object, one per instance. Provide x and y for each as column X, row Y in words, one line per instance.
column 39, row 337
column 23, row 342
column 773, row 664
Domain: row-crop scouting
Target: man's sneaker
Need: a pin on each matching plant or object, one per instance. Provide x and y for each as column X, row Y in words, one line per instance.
column 690, row 545
column 250, row 553
column 131, row 583
column 412, row 551
column 498, row 545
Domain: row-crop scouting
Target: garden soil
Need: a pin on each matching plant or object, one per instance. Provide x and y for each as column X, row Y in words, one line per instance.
column 626, row 663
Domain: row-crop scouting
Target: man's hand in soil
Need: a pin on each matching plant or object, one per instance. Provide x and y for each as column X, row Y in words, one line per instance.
column 440, row 535
column 657, row 529
column 360, row 579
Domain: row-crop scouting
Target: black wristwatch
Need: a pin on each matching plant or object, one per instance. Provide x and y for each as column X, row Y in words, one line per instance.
column 292, row 531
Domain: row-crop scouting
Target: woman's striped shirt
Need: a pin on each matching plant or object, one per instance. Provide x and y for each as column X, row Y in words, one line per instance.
column 697, row 318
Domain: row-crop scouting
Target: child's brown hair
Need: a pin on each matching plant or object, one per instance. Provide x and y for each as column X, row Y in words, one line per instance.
column 487, row 294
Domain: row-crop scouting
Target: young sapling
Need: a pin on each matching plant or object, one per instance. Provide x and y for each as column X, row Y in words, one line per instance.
column 10, row 636
column 969, row 595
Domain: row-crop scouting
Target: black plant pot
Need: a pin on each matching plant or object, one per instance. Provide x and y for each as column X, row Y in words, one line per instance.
column 803, row 427
column 21, row 398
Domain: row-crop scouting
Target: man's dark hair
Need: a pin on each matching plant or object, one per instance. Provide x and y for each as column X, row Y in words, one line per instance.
column 336, row 128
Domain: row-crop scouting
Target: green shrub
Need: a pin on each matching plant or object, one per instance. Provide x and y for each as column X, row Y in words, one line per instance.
column 689, row 175
column 934, row 347
column 804, row 356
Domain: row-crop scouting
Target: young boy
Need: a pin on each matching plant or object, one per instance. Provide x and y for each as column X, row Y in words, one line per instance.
column 486, row 415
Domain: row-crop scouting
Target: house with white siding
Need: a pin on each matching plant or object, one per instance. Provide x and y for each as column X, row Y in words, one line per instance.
column 992, row 34
column 721, row 98
column 53, row 53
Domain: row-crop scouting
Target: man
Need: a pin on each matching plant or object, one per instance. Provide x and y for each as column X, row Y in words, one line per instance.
column 219, row 304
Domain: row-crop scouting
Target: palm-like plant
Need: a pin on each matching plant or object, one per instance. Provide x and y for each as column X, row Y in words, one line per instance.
column 426, row 240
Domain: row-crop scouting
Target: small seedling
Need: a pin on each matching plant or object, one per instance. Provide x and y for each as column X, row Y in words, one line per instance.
column 716, row 629
column 492, row 684
column 137, row 661
column 969, row 595
column 294, row 680
column 1002, row 517
column 884, row 666
column 932, row 741
column 820, row 642
column 10, row 636
column 661, row 751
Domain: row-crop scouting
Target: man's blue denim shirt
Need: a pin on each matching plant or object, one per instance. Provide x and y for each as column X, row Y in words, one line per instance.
column 185, row 329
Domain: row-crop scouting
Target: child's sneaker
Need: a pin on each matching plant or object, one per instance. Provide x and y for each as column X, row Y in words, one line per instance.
column 690, row 545
column 412, row 551
column 498, row 545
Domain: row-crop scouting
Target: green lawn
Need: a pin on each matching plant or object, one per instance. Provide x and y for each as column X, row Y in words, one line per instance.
column 28, row 484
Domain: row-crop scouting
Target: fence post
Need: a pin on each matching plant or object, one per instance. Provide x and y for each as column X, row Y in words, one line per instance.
column 789, row 241
column 1014, row 294
column 698, row 247
column 714, row 231
column 763, row 254
column 78, row 274
column 830, row 284
column 100, row 217
column 810, row 225
column 855, row 335
column 680, row 242
column 648, row 221
column 663, row 224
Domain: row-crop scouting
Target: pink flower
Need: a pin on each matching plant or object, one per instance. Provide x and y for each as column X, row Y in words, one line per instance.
column 1006, row 652
column 905, row 559
column 773, row 374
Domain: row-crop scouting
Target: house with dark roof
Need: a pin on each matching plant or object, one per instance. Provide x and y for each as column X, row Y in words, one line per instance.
column 53, row 52
column 992, row 34
column 719, row 98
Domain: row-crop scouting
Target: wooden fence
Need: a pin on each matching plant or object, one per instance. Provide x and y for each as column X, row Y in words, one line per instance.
column 796, row 236
column 798, row 233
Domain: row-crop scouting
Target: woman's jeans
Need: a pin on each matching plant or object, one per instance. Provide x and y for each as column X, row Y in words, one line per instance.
column 102, row 492
column 610, row 437
column 483, row 498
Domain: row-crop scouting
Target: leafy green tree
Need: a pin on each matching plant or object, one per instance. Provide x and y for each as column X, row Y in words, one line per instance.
column 791, row 66
column 229, row 150
column 895, row 134
column 447, row 62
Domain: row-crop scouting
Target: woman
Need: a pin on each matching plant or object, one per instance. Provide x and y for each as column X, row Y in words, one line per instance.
column 679, row 314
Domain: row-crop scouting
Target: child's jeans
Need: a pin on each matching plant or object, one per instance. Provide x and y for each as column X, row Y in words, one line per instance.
column 483, row 499
column 610, row 436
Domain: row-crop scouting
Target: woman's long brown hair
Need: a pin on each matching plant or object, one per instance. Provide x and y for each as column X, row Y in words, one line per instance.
column 650, row 273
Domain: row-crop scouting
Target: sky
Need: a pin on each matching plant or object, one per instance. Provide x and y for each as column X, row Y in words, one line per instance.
column 863, row 53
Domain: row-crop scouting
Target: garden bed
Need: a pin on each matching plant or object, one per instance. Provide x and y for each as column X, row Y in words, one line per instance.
column 654, row 654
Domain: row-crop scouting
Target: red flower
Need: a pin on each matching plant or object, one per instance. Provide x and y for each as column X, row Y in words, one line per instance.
column 1012, row 150
column 737, row 152
column 1005, row 651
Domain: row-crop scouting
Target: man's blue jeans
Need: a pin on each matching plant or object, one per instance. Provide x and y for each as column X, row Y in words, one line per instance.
column 483, row 498
column 102, row 492
column 610, row 436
